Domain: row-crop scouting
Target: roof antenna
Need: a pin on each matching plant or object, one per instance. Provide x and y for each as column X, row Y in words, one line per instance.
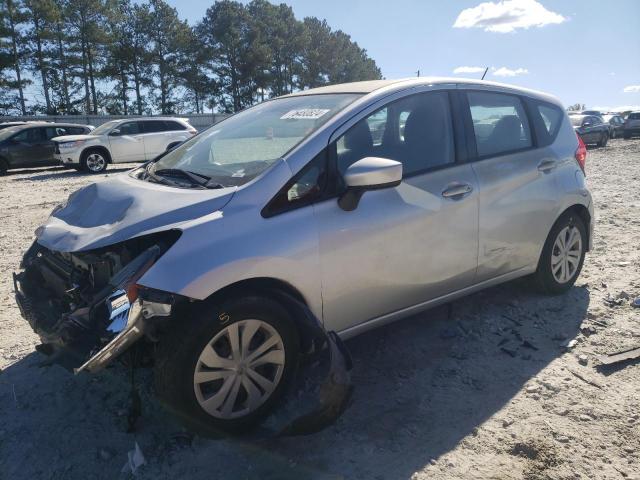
column 485, row 73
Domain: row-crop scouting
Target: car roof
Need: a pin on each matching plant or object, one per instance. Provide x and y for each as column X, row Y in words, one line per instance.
column 372, row 86
column 138, row 119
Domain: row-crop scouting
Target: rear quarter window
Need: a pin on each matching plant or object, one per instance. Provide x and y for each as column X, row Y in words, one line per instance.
column 547, row 119
column 171, row 125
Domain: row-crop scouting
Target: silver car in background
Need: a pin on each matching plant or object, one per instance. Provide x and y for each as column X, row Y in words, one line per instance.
column 337, row 209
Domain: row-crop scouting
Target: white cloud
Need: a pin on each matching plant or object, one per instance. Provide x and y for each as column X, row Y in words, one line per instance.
column 460, row 70
column 507, row 15
column 632, row 89
column 507, row 72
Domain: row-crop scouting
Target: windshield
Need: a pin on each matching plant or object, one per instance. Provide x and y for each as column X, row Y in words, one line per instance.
column 105, row 128
column 7, row 132
column 241, row 147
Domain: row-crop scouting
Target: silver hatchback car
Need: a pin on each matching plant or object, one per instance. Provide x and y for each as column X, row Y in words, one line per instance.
column 305, row 219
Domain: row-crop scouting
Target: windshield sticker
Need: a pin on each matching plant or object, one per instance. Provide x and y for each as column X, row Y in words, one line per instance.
column 238, row 174
column 305, row 114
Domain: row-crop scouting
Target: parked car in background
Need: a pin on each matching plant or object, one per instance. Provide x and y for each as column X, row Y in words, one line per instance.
column 121, row 141
column 240, row 253
column 616, row 124
column 632, row 125
column 31, row 144
column 591, row 112
column 591, row 128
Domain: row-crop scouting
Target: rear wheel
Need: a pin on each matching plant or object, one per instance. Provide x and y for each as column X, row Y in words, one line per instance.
column 626, row 135
column 226, row 367
column 93, row 161
column 562, row 256
column 603, row 140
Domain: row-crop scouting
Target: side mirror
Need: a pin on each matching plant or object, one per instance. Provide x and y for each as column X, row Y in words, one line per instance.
column 369, row 173
column 115, row 132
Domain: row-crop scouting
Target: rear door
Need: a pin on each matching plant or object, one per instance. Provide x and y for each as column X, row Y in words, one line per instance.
column 156, row 138
column 518, row 193
column 127, row 143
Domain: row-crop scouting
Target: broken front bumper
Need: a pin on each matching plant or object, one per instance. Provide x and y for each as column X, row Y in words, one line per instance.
column 92, row 336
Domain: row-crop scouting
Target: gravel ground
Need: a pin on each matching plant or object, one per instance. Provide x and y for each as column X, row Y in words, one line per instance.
column 480, row 389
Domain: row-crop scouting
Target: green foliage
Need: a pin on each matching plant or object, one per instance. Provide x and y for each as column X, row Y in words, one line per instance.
column 131, row 57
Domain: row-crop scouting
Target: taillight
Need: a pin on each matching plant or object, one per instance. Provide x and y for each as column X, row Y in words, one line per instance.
column 581, row 154
column 192, row 131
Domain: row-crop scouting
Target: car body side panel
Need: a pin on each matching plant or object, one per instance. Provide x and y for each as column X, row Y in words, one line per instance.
column 239, row 244
column 517, row 207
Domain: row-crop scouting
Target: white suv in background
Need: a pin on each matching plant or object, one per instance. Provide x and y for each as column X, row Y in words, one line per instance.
column 121, row 141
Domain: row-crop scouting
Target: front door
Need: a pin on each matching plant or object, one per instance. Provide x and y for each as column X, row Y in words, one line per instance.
column 127, row 143
column 406, row 245
column 28, row 148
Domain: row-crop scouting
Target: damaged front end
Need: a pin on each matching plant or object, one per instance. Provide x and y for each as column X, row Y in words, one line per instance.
column 86, row 306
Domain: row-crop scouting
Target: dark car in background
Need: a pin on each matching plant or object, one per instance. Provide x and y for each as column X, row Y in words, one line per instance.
column 30, row 145
column 616, row 124
column 632, row 125
column 591, row 129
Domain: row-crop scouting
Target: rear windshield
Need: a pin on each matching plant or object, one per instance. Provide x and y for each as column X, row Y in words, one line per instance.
column 576, row 120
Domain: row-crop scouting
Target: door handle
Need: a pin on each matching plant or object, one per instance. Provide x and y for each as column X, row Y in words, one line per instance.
column 457, row 191
column 547, row 165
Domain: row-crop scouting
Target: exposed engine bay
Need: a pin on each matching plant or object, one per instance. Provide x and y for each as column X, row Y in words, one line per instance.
column 77, row 302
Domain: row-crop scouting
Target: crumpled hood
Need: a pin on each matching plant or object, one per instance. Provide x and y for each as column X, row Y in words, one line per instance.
column 121, row 208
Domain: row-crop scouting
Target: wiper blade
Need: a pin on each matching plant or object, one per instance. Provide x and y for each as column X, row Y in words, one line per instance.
column 195, row 178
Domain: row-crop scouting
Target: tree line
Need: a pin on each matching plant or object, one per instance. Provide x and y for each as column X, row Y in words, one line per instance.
column 123, row 57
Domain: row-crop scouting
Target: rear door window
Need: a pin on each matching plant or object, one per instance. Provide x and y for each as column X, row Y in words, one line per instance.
column 500, row 123
column 154, row 126
column 51, row 132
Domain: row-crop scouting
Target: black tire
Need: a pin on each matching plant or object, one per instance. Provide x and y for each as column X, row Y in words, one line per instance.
column 88, row 166
column 626, row 136
column 4, row 166
column 179, row 351
column 604, row 138
column 543, row 278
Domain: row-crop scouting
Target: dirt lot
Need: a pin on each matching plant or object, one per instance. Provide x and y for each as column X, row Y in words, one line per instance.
column 484, row 389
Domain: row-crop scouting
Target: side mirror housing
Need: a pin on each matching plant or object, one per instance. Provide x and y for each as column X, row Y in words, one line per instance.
column 369, row 173
column 115, row 132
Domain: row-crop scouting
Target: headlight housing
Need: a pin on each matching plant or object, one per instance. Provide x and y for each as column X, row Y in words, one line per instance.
column 71, row 145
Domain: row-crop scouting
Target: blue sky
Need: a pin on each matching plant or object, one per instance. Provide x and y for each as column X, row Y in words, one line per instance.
column 583, row 51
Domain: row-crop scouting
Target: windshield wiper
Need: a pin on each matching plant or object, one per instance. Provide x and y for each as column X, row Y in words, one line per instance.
column 198, row 179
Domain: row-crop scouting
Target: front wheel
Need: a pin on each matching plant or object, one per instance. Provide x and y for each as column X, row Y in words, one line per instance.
column 226, row 367
column 93, row 161
column 562, row 256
